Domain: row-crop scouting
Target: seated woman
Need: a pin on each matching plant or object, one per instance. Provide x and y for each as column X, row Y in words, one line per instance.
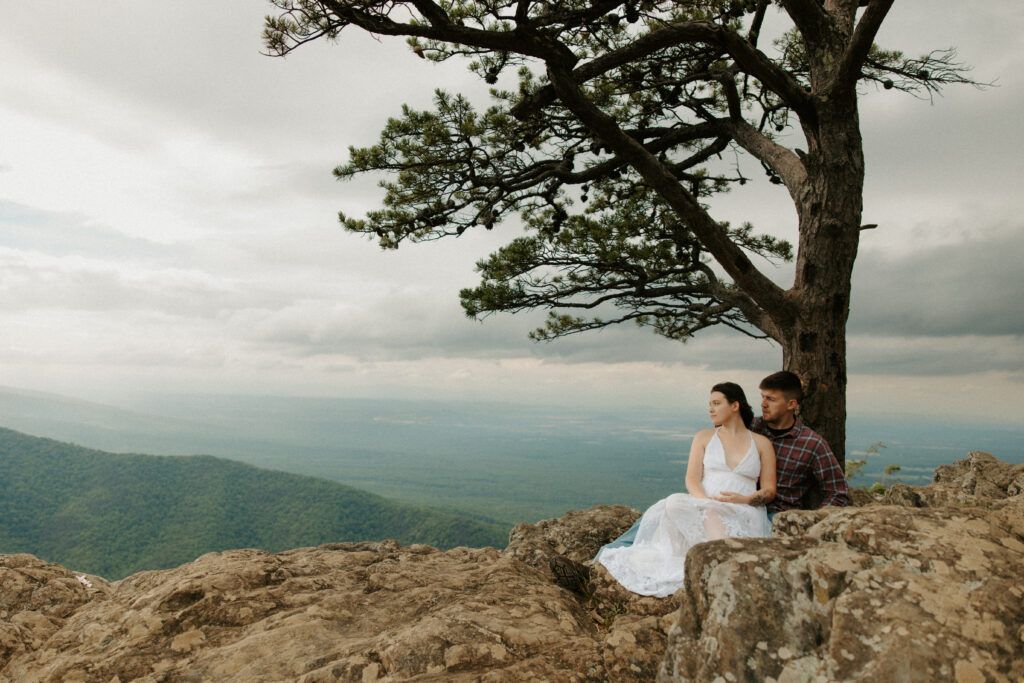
column 723, row 500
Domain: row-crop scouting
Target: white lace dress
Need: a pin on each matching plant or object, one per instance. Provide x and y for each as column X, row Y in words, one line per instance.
column 653, row 564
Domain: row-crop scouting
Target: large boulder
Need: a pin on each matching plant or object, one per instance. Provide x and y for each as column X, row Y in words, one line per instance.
column 577, row 536
column 633, row 628
column 976, row 480
column 877, row 593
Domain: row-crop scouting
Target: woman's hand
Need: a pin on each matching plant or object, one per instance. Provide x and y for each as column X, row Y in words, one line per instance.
column 732, row 497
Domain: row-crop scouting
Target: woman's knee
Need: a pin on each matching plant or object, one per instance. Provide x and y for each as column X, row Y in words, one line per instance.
column 676, row 502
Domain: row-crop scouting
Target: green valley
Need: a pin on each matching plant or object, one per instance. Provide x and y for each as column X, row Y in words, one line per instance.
column 114, row 514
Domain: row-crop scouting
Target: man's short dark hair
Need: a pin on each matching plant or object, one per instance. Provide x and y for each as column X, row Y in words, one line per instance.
column 786, row 382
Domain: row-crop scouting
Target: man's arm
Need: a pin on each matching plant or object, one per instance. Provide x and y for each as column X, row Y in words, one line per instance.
column 830, row 476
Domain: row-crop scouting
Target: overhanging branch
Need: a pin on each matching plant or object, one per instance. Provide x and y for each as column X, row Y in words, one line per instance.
column 766, row 293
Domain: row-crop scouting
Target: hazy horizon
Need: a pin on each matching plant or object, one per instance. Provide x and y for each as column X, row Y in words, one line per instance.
column 504, row 461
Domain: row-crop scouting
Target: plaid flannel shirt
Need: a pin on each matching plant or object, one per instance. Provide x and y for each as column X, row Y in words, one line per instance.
column 801, row 458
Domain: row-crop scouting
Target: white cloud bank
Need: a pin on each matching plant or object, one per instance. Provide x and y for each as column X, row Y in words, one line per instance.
column 168, row 223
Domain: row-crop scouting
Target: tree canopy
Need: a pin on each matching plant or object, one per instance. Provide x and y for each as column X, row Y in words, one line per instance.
column 614, row 124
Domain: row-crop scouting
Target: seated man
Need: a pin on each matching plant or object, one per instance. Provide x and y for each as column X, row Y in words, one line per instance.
column 802, row 458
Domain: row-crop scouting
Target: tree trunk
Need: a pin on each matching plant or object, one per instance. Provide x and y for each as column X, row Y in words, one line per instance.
column 829, row 209
column 817, row 355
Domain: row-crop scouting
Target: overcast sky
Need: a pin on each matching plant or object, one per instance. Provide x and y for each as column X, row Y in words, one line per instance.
column 168, row 223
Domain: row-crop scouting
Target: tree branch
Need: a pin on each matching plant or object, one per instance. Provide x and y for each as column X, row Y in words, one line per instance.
column 714, row 238
column 849, row 69
column 753, row 313
column 432, row 12
column 809, row 16
column 750, row 60
column 440, row 29
column 780, row 159
column 755, row 63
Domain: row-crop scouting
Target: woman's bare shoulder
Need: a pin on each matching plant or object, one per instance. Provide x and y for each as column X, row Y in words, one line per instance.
column 704, row 435
column 762, row 441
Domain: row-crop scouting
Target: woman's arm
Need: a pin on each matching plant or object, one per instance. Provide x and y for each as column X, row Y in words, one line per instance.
column 766, row 493
column 695, row 466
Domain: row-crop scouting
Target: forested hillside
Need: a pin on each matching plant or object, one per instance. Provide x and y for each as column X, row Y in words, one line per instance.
column 115, row 514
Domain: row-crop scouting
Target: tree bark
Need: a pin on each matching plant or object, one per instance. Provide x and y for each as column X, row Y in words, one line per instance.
column 829, row 209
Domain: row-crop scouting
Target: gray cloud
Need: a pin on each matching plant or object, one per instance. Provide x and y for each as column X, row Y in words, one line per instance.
column 199, row 65
column 972, row 287
column 63, row 233
column 30, row 282
column 229, row 253
column 940, row 310
column 935, row 356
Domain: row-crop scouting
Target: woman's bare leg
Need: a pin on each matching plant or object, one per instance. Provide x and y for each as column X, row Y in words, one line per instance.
column 714, row 526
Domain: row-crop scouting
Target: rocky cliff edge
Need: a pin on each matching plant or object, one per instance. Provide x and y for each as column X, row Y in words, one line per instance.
column 924, row 584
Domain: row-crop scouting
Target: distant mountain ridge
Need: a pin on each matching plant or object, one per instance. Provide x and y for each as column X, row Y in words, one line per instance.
column 115, row 514
column 491, row 460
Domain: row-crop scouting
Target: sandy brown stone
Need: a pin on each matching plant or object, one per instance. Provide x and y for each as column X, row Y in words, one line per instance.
column 35, row 598
column 577, row 536
column 346, row 612
column 354, row 611
column 876, row 593
column 859, row 497
column 881, row 592
column 975, row 480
